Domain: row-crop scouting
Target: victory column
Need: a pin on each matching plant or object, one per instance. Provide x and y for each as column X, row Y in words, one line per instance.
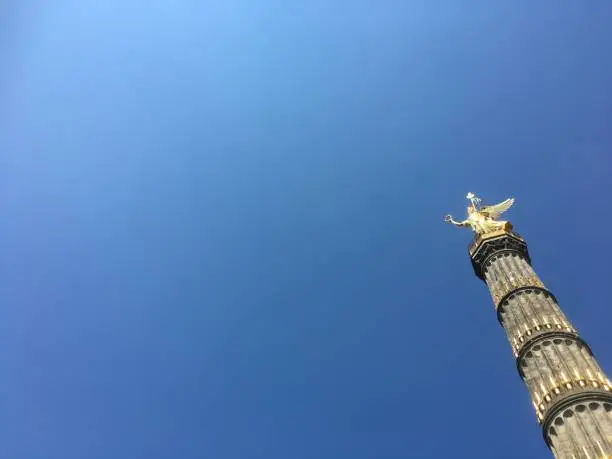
column 571, row 395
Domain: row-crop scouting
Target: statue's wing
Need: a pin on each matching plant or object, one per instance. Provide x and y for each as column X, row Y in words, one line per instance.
column 498, row 209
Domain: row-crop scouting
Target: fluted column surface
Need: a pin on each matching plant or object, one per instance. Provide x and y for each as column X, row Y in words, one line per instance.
column 570, row 393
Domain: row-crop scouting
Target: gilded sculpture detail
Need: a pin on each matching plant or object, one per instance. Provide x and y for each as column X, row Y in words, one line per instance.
column 483, row 219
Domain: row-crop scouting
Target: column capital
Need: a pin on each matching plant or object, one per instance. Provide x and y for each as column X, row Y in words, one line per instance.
column 496, row 242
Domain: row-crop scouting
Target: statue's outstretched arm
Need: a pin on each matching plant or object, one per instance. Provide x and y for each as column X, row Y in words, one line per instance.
column 449, row 219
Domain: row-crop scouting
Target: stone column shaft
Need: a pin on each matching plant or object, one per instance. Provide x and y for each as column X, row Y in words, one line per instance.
column 571, row 395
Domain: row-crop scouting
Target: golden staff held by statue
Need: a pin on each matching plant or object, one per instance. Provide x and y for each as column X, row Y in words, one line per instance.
column 482, row 220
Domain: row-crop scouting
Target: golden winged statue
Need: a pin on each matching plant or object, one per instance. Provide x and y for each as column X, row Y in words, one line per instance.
column 483, row 219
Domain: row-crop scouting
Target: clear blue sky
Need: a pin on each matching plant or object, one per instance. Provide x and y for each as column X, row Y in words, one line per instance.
column 221, row 226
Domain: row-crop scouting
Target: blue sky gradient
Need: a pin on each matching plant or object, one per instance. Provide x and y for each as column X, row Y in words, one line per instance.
column 221, row 226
